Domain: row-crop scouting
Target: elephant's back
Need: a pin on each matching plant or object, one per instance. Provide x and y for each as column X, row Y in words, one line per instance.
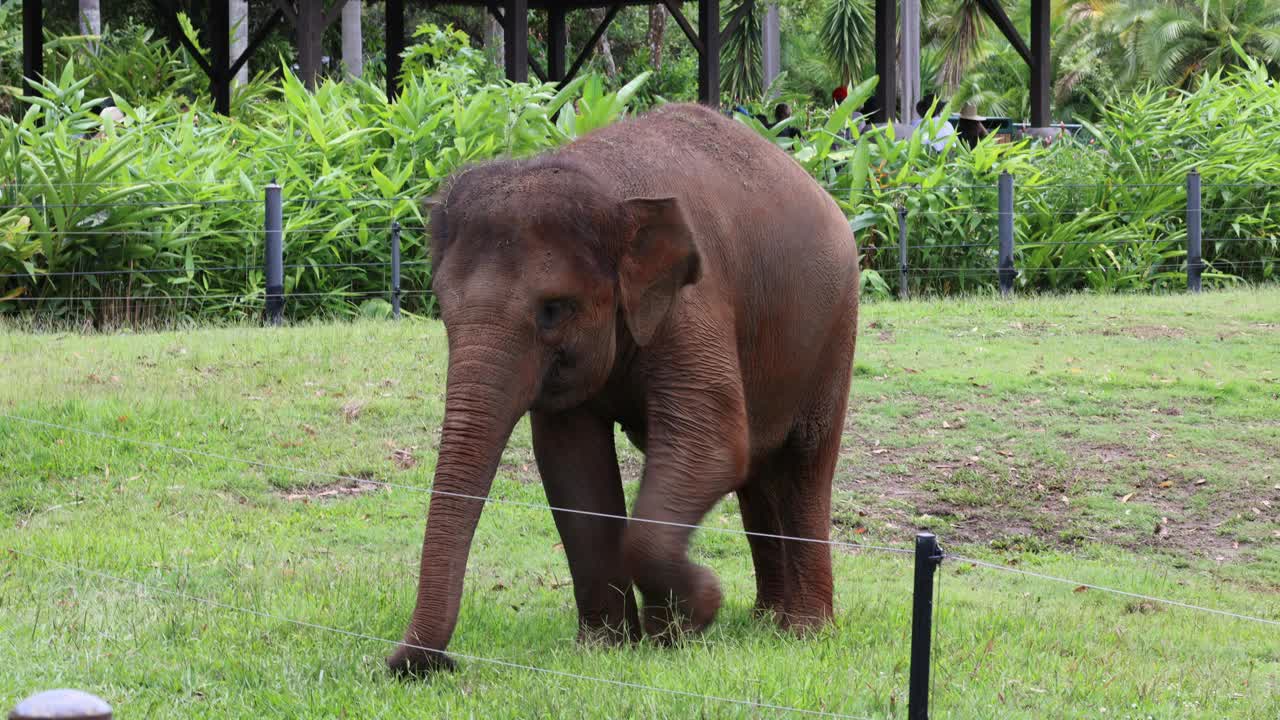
column 737, row 187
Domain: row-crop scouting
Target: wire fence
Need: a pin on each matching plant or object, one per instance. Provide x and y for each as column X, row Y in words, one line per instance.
column 924, row 567
column 215, row 257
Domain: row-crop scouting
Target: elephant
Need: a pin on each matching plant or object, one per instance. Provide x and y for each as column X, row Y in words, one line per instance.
column 674, row 274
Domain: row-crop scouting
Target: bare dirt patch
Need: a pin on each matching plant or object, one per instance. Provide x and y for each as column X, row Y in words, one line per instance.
column 1054, row 490
column 1147, row 332
column 346, row 488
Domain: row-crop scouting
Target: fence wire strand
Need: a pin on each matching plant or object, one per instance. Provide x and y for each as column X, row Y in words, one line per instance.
column 398, row 643
column 244, row 297
column 447, row 493
column 1114, row 591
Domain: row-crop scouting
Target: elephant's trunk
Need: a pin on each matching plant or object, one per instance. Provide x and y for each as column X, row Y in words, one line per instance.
column 488, row 388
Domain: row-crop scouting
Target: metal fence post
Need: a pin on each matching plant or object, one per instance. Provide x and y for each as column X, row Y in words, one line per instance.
column 1195, row 226
column 928, row 557
column 63, row 704
column 902, row 253
column 395, row 270
column 275, row 254
column 1007, row 272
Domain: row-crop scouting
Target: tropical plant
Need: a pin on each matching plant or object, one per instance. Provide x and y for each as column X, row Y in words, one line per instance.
column 165, row 209
column 740, row 59
column 846, row 36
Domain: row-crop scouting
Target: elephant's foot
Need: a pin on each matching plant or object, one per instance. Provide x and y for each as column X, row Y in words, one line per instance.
column 804, row 621
column 769, row 604
column 668, row 622
column 421, row 662
column 607, row 634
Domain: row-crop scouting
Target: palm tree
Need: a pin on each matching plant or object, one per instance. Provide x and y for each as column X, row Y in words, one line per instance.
column 1169, row 42
column 959, row 29
column 846, row 35
column 657, row 30
column 1188, row 39
column 741, row 55
column 90, row 17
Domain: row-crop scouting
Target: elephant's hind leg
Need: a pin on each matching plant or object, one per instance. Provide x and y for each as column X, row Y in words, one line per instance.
column 761, row 516
column 579, row 468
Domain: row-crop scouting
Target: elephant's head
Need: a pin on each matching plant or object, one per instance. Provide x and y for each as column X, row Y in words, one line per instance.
column 539, row 272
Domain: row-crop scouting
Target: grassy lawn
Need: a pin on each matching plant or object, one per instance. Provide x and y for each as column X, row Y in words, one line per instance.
column 1131, row 442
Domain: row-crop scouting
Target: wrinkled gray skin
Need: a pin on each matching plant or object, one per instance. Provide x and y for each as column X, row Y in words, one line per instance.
column 680, row 276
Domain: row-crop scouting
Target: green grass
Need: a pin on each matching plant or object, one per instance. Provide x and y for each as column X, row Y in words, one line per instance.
column 1067, row 436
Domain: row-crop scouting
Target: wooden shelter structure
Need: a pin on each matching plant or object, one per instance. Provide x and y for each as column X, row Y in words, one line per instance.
column 311, row 17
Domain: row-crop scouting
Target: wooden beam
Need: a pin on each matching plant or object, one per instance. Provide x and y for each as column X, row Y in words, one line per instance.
column 395, row 45
column 32, row 43
column 557, row 42
column 887, row 60
column 168, row 16
column 591, row 44
column 220, row 50
column 683, row 22
column 264, row 32
column 1041, row 64
column 995, row 11
column 309, row 34
column 709, row 60
column 515, row 36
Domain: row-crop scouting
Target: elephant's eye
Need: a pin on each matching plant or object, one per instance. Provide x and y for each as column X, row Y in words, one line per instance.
column 553, row 312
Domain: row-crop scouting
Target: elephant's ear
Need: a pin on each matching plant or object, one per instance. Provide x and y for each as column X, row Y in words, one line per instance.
column 660, row 258
column 432, row 208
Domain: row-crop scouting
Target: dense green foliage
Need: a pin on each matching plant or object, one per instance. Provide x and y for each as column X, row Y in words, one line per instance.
column 176, row 191
column 1104, row 211
column 179, row 189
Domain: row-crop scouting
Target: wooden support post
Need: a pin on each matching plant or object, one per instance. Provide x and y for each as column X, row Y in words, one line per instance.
column 1041, row 63
column 220, row 55
column 516, row 39
column 394, row 45
column 771, row 43
column 352, row 38
column 556, row 43
column 709, row 62
column 886, row 60
column 32, row 43
column 309, row 31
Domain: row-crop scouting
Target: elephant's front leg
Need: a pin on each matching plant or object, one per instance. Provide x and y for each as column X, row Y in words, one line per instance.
column 579, row 468
column 697, row 453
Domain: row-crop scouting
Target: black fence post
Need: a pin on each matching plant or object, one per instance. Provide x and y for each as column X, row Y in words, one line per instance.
column 1007, row 272
column 395, row 270
column 902, row 253
column 64, row 704
column 275, row 254
column 928, row 557
column 1195, row 226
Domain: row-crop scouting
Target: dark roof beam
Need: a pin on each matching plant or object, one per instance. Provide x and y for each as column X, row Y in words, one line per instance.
column 995, row 11
column 590, row 47
column 264, row 32
column 32, row 43
column 683, row 22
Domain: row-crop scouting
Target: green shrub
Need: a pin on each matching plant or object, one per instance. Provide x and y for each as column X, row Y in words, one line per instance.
column 1105, row 211
column 174, row 193
column 173, row 196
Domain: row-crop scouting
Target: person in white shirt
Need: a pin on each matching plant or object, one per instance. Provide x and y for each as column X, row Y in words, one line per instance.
column 936, row 133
